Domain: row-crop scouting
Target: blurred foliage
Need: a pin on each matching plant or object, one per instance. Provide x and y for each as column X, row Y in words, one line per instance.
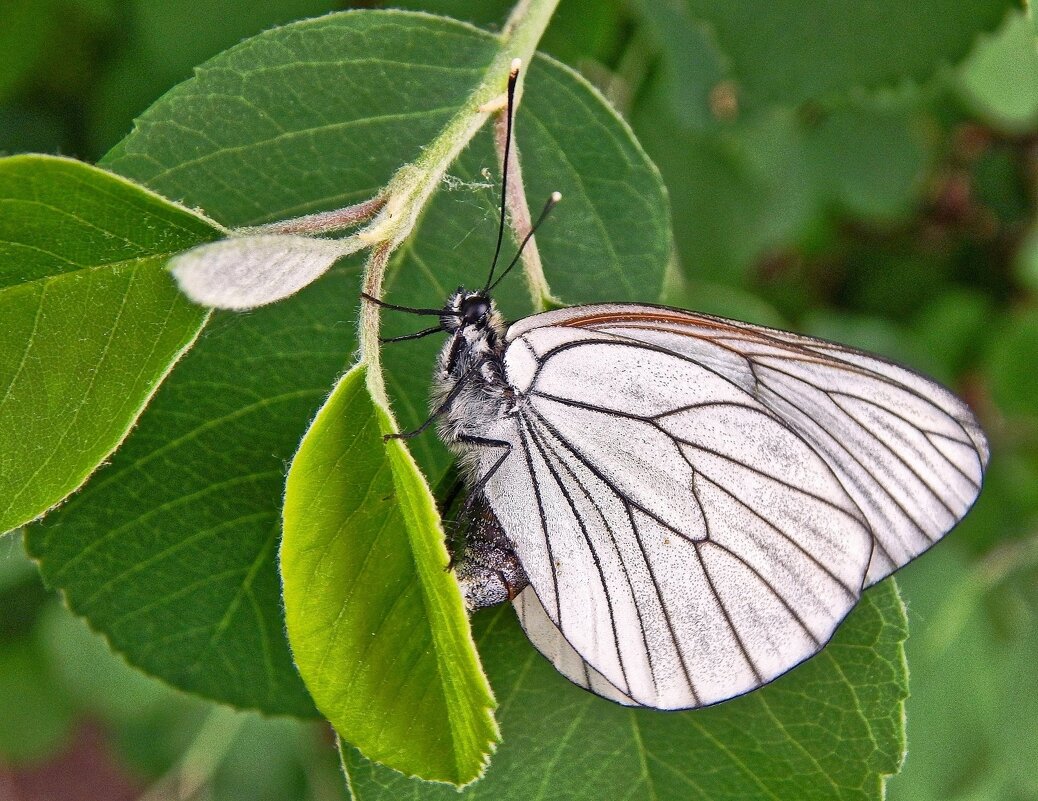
column 59, row 682
column 868, row 199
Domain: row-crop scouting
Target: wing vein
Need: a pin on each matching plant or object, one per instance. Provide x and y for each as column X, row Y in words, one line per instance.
column 628, row 504
column 616, row 548
column 591, row 549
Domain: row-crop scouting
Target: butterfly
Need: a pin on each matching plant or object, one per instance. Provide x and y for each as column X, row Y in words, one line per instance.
column 681, row 507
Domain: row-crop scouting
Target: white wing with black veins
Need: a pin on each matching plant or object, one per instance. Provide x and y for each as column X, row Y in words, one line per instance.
column 698, row 503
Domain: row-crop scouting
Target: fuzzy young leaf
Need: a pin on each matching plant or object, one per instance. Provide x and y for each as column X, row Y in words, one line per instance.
column 244, row 272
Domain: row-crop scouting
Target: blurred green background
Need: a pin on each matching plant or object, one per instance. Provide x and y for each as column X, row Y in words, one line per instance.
column 899, row 216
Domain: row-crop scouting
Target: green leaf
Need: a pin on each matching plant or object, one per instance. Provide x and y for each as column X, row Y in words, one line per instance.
column 952, row 328
column 35, row 717
column 25, row 28
column 375, row 621
column 970, row 716
column 831, row 729
column 162, row 42
column 16, row 569
column 691, row 65
column 747, row 189
column 790, row 51
column 1010, row 361
column 867, row 159
column 91, row 676
column 773, row 179
column 1027, row 258
column 999, row 80
column 91, row 321
column 170, row 551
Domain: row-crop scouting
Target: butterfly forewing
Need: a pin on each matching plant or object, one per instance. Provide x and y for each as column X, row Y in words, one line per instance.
column 698, row 503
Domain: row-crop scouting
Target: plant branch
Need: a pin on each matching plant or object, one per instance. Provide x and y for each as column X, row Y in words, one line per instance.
column 520, row 220
column 410, row 189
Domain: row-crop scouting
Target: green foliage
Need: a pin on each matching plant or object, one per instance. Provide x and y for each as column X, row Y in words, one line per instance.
column 35, row 716
column 178, row 535
column 25, row 27
column 376, row 623
column 172, row 550
column 777, row 742
column 60, row 681
column 1012, row 359
column 790, row 51
column 865, row 173
column 91, row 322
column 1000, row 79
column 971, row 720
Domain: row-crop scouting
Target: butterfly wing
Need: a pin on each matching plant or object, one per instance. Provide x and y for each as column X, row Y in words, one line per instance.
column 698, row 503
column 550, row 642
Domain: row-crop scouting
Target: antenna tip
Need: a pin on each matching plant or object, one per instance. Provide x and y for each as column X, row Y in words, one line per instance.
column 556, row 197
column 516, row 64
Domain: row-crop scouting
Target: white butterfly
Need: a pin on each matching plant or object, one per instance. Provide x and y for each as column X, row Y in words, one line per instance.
column 695, row 503
column 680, row 507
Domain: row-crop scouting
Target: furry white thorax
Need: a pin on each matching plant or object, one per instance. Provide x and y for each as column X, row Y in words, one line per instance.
column 472, row 355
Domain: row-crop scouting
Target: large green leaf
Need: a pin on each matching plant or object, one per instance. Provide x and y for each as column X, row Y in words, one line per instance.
column 375, row 622
column 831, row 729
column 170, row 552
column 773, row 179
column 999, row 81
column 89, row 322
column 970, row 715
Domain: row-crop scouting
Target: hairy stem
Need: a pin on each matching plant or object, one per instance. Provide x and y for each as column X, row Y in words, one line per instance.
column 520, row 220
column 410, row 189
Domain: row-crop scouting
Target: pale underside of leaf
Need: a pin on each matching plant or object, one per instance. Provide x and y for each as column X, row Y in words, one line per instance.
column 244, row 272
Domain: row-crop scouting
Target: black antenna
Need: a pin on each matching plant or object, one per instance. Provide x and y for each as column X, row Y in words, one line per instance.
column 409, row 309
column 513, row 78
column 552, row 202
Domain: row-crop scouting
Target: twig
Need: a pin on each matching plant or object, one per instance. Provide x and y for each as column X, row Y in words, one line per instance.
column 519, row 217
column 410, row 189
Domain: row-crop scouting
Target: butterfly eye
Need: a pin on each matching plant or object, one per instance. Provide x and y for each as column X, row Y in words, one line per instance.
column 474, row 309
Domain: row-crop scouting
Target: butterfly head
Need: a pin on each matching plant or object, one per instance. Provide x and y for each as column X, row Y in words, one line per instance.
column 470, row 310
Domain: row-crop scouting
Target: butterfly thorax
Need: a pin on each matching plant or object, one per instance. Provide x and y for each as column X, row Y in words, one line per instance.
column 474, row 356
column 470, row 386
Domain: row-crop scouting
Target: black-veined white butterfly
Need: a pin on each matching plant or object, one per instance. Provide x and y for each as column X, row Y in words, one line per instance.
column 682, row 507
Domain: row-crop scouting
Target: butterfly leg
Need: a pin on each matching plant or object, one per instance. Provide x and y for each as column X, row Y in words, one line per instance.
column 442, row 408
column 477, row 488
